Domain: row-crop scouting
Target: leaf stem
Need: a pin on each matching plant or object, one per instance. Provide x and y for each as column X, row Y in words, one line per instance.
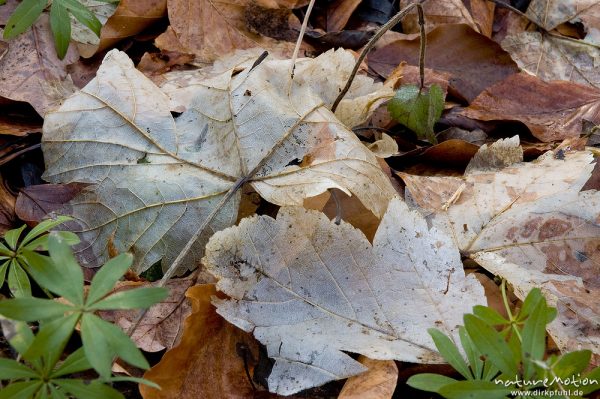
column 299, row 43
column 423, row 45
column 388, row 25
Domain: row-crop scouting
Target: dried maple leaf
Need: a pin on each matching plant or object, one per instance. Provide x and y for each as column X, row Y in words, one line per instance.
column 532, row 215
column 555, row 58
column 158, row 178
column 310, row 289
column 208, row 362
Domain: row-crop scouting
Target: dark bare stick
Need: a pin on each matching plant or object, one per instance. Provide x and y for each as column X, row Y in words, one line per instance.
column 388, row 25
column 423, row 45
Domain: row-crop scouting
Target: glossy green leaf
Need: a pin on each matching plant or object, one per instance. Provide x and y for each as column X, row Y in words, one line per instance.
column 12, row 236
column 53, row 334
column 45, row 225
column 5, row 251
column 418, row 110
column 136, row 380
column 3, row 269
column 132, row 299
column 67, row 267
column 91, row 390
column 533, row 344
column 83, row 15
column 11, row 369
column 474, row 390
column 450, row 352
column 531, row 300
column 476, row 364
column 57, row 393
column 491, row 344
column 32, row 309
column 49, row 275
column 20, row 390
column 76, row 362
column 103, row 340
column 18, row 280
column 571, row 363
column 107, row 277
column 592, row 380
column 429, row 382
column 489, row 315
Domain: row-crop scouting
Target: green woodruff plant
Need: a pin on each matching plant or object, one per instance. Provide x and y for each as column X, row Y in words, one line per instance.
column 506, row 357
column 29, row 11
column 43, row 371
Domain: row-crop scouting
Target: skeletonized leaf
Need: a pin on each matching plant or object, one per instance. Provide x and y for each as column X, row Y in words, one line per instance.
column 157, row 178
column 464, row 206
column 310, row 289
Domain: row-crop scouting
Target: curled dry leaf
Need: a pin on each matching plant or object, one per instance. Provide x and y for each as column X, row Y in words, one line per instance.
column 554, row 110
column 530, row 214
column 31, row 72
column 551, row 13
column 379, row 382
column 130, row 18
column 161, row 327
column 157, row 178
column 555, row 58
column 310, row 289
column 209, row 360
column 473, row 61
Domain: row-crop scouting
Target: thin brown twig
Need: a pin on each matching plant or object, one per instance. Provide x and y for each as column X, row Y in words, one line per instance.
column 423, row 45
column 387, row 26
column 299, row 42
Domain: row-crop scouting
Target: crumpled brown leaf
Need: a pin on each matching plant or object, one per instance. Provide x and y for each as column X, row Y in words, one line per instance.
column 209, row 360
column 35, row 202
column 212, row 29
column 31, row 72
column 162, row 326
column 551, row 110
column 473, row 61
column 379, row 382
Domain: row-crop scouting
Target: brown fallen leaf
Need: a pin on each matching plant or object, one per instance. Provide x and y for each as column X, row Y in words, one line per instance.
column 379, row 382
column 555, row 58
column 130, row 18
column 339, row 12
column 551, row 110
column 483, row 12
column 153, row 64
column 551, row 13
column 35, row 202
column 7, row 208
column 19, row 124
column 211, row 359
column 31, row 72
column 474, row 61
column 438, row 13
column 162, row 326
column 212, row 29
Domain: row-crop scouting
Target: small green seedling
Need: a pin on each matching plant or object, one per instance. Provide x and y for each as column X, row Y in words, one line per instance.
column 14, row 254
column 29, row 11
column 505, row 357
column 42, row 375
column 418, row 109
